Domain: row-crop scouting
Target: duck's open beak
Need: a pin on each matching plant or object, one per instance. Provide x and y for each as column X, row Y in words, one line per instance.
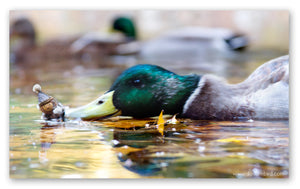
column 99, row 108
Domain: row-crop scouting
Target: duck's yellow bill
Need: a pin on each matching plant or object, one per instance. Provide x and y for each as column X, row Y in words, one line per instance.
column 99, row 108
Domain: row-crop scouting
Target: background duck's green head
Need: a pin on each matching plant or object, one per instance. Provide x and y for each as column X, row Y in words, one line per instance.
column 145, row 90
column 142, row 91
column 126, row 26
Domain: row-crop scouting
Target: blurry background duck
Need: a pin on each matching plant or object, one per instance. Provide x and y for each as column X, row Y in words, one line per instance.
column 24, row 47
column 192, row 43
column 198, row 43
column 122, row 31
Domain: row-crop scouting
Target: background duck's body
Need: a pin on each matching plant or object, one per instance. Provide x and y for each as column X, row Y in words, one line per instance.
column 193, row 43
column 145, row 90
column 97, row 44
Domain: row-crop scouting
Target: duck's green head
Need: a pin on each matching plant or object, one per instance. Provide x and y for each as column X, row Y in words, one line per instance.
column 126, row 26
column 142, row 91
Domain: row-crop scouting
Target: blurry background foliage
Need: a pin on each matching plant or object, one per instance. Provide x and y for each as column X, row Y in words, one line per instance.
column 266, row 29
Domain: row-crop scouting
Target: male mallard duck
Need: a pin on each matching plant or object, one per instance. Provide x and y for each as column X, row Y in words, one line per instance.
column 106, row 43
column 145, row 90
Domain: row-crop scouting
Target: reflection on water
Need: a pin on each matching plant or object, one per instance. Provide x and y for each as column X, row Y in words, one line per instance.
column 129, row 148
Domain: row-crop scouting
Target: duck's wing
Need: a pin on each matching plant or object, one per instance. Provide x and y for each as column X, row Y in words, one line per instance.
column 266, row 90
column 94, row 38
column 271, row 72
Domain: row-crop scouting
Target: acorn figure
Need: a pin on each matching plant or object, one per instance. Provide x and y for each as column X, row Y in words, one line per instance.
column 50, row 107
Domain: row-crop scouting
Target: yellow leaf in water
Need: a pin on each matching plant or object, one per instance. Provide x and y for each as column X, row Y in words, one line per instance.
column 160, row 123
column 233, row 139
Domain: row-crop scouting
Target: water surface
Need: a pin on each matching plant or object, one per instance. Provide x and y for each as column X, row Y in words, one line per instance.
column 123, row 147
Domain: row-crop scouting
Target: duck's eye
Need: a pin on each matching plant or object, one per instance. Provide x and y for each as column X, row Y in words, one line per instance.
column 100, row 102
column 137, row 83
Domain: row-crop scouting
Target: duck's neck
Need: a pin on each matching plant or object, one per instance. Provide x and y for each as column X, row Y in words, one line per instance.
column 177, row 91
column 214, row 99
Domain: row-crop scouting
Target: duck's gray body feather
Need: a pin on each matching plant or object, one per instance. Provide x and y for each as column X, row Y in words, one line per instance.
column 263, row 95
